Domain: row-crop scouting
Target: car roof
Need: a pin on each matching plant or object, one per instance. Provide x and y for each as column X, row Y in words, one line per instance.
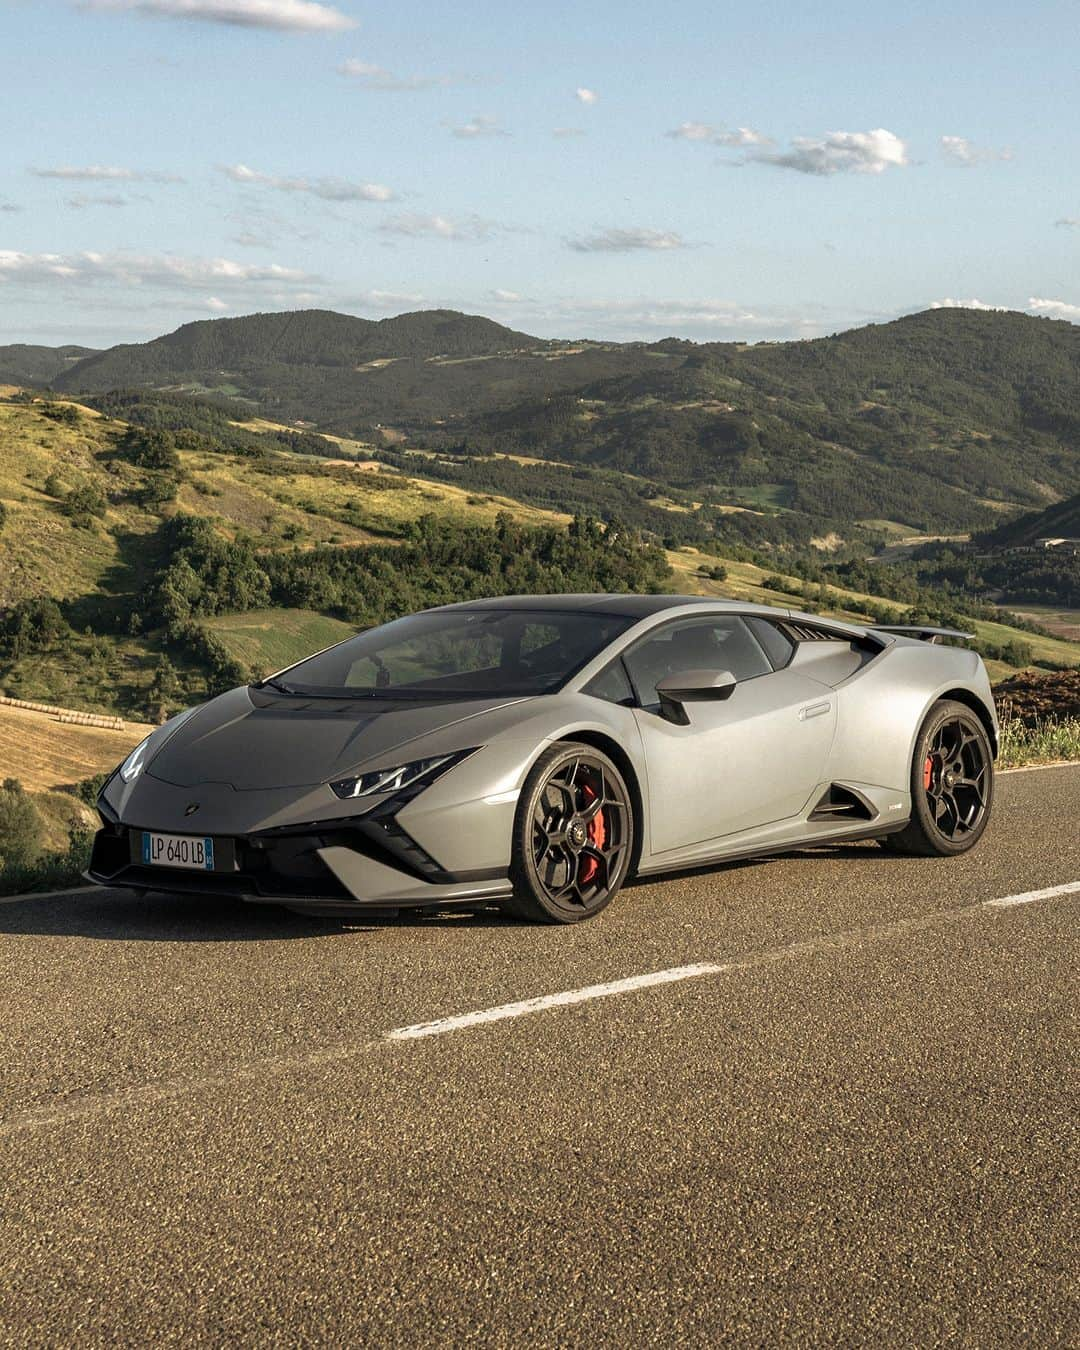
column 631, row 606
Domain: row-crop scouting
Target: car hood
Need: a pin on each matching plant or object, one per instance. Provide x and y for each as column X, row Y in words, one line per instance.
column 252, row 739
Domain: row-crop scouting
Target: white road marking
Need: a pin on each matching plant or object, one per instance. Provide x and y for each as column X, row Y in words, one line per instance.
column 1026, row 897
column 568, row 997
column 261, row 1067
column 560, row 1000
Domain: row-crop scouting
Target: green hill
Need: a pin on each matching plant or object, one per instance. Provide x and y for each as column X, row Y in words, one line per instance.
column 246, row 349
column 1062, row 520
column 21, row 363
column 946, row 421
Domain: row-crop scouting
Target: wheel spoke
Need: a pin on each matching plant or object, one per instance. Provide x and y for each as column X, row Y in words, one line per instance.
column 580, row 833
column 960, row 775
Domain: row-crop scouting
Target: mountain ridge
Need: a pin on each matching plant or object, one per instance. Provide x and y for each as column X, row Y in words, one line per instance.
column 941, row 420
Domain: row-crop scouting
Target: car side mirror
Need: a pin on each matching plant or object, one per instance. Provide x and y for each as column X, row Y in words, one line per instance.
column 692, row 686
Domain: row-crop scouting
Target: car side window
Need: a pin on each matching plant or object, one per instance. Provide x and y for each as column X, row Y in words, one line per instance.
column 696, row 644
column 778, row 647
column 611, row 685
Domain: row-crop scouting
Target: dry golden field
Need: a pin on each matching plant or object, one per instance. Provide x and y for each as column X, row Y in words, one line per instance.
column 45, row 755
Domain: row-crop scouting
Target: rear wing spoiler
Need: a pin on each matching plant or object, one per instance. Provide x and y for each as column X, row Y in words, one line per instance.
column 932, row 635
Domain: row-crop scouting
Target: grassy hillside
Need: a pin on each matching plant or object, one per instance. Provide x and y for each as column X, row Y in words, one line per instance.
column 939, row 422
column 271, row 639
column 253, row 603
column 1062, row 519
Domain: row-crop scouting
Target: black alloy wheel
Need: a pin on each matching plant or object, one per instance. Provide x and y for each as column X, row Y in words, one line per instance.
column 573, row 836
column 952, row 784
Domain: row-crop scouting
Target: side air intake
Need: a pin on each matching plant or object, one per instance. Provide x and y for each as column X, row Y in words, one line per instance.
column 842, row 803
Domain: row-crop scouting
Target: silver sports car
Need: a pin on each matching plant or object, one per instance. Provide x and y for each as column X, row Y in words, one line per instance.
column 533, row 752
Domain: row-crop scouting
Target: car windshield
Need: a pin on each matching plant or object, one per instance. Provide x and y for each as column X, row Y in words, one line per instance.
column 457, row 653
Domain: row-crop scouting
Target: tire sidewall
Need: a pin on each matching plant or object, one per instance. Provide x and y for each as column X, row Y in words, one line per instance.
column 523, row 868
column 948, row 711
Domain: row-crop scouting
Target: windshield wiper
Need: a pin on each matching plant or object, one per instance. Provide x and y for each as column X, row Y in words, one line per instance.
column 279, row 685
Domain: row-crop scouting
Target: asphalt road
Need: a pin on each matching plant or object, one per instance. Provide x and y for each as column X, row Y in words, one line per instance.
column 860, row 1129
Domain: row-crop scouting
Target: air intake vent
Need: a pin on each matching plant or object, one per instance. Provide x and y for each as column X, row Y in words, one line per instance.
column 803, row 632
column 842, row 803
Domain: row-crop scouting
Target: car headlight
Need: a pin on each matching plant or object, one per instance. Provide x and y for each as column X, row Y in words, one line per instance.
column 136, row 761
column 403, row 776
column 133, row 765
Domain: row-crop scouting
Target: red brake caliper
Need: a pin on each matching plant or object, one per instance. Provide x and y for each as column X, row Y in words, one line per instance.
column 597, row 836
column 927, row 773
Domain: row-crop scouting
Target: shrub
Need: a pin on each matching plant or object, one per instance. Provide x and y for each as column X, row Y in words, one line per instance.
column 83, row 504
column 149, row 449
column 50, row 871
column 31, row 626
column 20, row 825
column 60, row 412
column 87, row 789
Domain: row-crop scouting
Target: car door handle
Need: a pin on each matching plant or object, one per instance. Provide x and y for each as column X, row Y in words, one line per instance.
column 814, row 710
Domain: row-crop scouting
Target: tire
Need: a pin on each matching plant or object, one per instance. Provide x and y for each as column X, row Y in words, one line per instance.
column 573, row 836
column 952, row 785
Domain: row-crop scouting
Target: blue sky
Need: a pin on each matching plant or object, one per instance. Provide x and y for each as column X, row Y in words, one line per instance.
column 616, row 170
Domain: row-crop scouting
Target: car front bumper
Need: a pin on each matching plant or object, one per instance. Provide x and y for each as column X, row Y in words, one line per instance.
column 369, row 861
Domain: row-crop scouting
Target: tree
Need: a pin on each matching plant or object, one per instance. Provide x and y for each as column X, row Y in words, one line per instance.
column 164, row 688
column 31, row 626
column 83, row 504
column 148, row 449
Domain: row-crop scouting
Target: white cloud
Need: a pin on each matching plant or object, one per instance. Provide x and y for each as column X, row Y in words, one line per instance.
column 215, row 304
column 1055, row 309
column 567, row 133
column 965, row 154
column 370, row 76
column 627, row 241
column 732, row 139
column 1069, row 222
column 950, row 303
column 416, row 226
column 329, row 189
column 395, row 300
column 81, row 200
column 105, row 173
column 840, row 152
column 587, row 96
column 505, row 297
column 477, row 126
column 709, row 320
column 297, row 16
column 165, row 271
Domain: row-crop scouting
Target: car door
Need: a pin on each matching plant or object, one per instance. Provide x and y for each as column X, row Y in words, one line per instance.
column 742, row 763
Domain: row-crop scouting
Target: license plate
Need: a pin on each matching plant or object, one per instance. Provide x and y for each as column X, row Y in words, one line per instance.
column 194, row 852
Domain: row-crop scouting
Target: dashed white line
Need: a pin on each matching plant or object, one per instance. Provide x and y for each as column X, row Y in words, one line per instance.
column 568, row 997
column 1027, row 897
column 135, row 1096
column 560, row 1000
